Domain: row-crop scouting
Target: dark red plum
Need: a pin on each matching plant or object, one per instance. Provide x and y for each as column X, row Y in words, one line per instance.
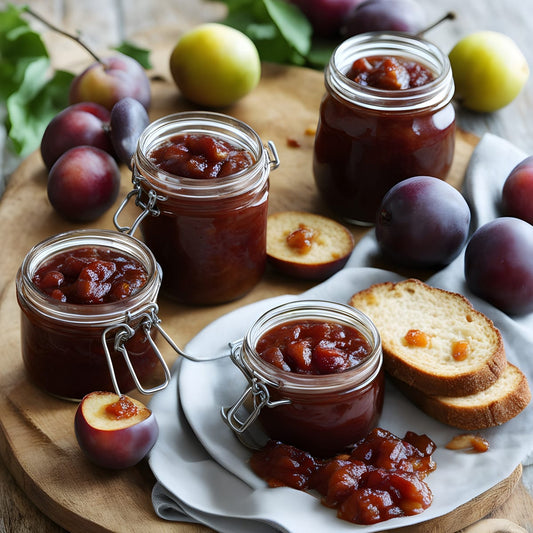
column 422, row 222
column 517, row 192
column 108, row 81
column 79, row 124
column 83, row 183
column 128, row 120
column 499, row 264
column 110, row 440
column 326, row 16
column 385, row 15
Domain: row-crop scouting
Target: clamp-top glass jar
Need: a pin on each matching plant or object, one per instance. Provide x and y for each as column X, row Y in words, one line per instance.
column 320, row 413
column 81, row 331
column 207, row 232
column 371, row 136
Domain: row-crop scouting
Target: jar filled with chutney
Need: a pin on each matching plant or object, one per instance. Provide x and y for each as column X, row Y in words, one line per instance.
column 386, row 116
column 89, row 314
column 315, row 376
column 201, row 180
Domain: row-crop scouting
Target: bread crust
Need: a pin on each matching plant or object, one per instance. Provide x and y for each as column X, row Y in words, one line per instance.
column 478, row 411
column 420, row 374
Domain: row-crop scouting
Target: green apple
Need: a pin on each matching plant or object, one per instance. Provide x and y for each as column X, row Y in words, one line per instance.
column 489, row 70
column 214, row 65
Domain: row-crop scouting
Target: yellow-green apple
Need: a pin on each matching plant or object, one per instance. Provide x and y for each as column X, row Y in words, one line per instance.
column 214, row 65
column 489, row 70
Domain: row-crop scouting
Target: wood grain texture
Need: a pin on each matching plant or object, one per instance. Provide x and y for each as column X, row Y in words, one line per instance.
column 42, row 465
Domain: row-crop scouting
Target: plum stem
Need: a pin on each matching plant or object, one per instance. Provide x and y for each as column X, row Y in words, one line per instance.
column 449, row 16
column 62, row 32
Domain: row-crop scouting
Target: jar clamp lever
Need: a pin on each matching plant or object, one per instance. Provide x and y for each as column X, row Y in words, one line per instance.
column 147, row 319
column 124, row 331
column 149, row 207
column 257, row 389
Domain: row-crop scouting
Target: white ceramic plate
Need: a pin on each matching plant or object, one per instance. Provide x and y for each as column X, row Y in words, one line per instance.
column 204, row 387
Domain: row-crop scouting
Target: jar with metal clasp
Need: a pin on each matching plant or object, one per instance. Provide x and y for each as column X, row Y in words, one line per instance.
column 319, row 413
column 81, row 331
column 206, row 229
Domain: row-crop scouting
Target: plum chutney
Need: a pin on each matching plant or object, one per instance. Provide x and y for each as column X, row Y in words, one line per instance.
column 319, row 366
column 90, row 276
column 313, row 347
column 389, row 73
column 87, row 300
column 203, row 179
column 386, row 116
column 200, row 156
column 382, row 477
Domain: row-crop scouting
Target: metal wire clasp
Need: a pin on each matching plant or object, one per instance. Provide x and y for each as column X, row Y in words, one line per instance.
column 149, row 207
column 146, row 318
column 273, row 158
column 257, row 391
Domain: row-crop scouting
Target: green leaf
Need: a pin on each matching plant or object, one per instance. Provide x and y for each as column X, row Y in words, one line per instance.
column 140, row 54
column 19, row 46
column 31, row 91
column 36, row 102
column 280, row 31
column 293, row 26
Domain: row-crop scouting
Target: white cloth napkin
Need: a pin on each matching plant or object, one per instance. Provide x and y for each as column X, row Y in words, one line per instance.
column 225, row 499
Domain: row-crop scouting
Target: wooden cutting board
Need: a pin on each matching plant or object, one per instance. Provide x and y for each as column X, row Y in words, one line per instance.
column 37, row 440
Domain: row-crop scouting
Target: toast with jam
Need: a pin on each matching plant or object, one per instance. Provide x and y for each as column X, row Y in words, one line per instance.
column 446, row 356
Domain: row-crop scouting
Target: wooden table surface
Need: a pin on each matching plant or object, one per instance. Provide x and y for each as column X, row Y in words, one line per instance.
column 108, row 22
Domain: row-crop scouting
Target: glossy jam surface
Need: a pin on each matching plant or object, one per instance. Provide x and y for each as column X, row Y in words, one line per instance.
column 211, row 249
column 301, row 239
column 361, row 153
column 65, row 356
column 200, row 156
column 389, row 73
column 122, row 408
column 313, row 347
column 382, row 477
column 90, row 275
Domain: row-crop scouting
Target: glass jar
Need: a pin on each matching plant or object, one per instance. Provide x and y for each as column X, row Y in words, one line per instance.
column 322, row 413
column 368, row 139
column 208, row 235
column 72, row 349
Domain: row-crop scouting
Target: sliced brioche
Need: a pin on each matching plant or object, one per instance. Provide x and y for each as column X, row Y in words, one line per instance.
column 503, row 400
column 445, row 318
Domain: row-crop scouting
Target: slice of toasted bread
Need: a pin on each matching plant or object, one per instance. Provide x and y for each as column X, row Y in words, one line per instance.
column 503, row 400
column 443, row 319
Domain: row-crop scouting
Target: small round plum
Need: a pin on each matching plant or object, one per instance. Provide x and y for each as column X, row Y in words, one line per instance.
column 385, row 15
column 489, row 71
column 306, row 245
column 114, row 431
column 83, row 183
column 79, row 124
column 110, row 80
column 517, row 192
column 128, row 120
column 214, row 65
column 499, row 264
column 423, row 222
